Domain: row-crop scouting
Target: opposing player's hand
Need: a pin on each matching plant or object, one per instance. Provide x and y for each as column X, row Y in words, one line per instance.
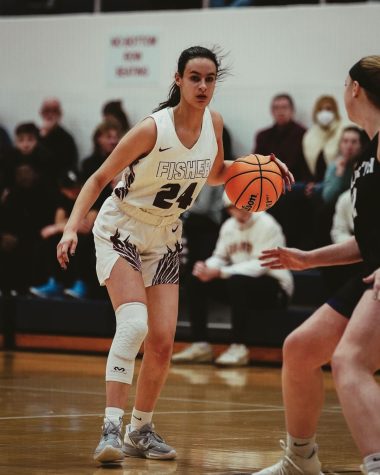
column 287, row 175
column 66, row 247
column 284, row 258
column 375, row 279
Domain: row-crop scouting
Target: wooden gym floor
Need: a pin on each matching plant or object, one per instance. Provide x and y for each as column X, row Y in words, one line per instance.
column 221, row 421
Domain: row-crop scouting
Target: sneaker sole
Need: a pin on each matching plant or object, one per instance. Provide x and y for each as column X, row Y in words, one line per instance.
column 109, row 455
column 129, row 451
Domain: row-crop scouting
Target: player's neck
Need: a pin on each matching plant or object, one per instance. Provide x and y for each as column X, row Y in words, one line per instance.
column 370, row 122
column 188, row 116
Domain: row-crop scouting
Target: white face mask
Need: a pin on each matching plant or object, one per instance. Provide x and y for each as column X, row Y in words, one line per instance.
column 325, row 117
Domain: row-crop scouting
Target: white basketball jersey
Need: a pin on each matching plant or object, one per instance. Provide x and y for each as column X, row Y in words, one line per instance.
column 167, row 181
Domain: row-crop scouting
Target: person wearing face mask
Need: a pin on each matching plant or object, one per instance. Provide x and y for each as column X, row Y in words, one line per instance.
column 321, row 141
column 320, row 146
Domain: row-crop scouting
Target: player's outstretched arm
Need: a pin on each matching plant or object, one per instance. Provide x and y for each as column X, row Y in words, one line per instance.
column 294, row 259
column 284, row 258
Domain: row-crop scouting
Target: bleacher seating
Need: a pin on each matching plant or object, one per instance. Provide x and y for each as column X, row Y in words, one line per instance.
column 94, row 319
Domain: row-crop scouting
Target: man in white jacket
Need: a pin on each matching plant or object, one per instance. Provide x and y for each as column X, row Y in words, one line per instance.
column 234, row 275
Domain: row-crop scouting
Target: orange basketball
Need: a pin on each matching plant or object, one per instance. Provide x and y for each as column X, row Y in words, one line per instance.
column 254, row 183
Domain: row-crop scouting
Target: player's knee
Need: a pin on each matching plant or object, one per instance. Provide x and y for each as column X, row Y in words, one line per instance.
column 131, row 329
column 295, row 350
column 348, row 365
column 161, row 352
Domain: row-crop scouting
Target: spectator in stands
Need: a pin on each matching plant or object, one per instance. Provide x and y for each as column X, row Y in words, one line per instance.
column 80, row 275
column 337, row 179
column 27, row 208
column 56, row 139
column 284, row 137
column 5, row 142
column 343, row 221
column 320, row 147
column 105, row 138
column 113, row 111
column 233, row 273
column 201, row 225
column 5, row 145
column 338, row 173
column 321, row 141
column 28, row 149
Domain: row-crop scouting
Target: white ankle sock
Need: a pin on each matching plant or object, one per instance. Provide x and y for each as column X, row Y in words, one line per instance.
column 302, row 447
column 140, row 418
column 114, row 414
column 372, row 462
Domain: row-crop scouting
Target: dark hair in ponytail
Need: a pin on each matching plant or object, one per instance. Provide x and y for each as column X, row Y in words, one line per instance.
column 367, row 73
column 186, row 55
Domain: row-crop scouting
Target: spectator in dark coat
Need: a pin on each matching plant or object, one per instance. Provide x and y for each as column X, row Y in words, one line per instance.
column 284, row 137
column 27, row 208
column 28, row 150
column 56, row 139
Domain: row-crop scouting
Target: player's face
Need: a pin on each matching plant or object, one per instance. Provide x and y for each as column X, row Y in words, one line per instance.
column 198, row 82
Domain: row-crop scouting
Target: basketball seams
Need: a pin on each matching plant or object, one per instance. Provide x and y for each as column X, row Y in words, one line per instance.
column 245, row 189
column 246, row 192
column 252, row 171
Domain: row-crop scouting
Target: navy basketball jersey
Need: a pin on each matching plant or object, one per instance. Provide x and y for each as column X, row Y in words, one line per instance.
column 365, row 194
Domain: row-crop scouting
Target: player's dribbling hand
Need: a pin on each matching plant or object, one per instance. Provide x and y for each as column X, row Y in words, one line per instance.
column 375, row 279
column 287, row 175
column 66, row 247
column 283, row 258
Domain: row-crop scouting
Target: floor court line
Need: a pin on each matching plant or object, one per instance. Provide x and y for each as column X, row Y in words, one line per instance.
column 163, row 398
column 208, row 411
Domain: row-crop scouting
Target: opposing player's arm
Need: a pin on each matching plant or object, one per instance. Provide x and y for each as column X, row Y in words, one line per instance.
column 295, row 259
column 138, row 142
column 219, row 168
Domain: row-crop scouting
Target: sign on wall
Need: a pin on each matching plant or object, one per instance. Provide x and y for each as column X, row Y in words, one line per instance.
column 133, row 58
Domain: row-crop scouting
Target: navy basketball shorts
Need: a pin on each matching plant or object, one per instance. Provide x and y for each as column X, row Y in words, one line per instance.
column 152, row 249
column 347, row 297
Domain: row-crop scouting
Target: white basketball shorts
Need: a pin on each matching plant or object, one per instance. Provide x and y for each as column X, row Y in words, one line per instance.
column 152, row 249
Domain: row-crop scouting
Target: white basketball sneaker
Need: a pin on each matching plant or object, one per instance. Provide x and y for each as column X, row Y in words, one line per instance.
column 235, row 355
column 292, row 464
column 109, row 449
column 370, row 472
column 195, row 353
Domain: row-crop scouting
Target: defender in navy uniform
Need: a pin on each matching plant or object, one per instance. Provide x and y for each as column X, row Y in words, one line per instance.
column 166, row 159
column 346, row 329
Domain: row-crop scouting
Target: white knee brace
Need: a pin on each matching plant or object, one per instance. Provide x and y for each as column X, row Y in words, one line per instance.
column 131, row 329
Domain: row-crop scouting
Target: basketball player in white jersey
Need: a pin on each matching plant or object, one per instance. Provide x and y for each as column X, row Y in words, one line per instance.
column 166, row 159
